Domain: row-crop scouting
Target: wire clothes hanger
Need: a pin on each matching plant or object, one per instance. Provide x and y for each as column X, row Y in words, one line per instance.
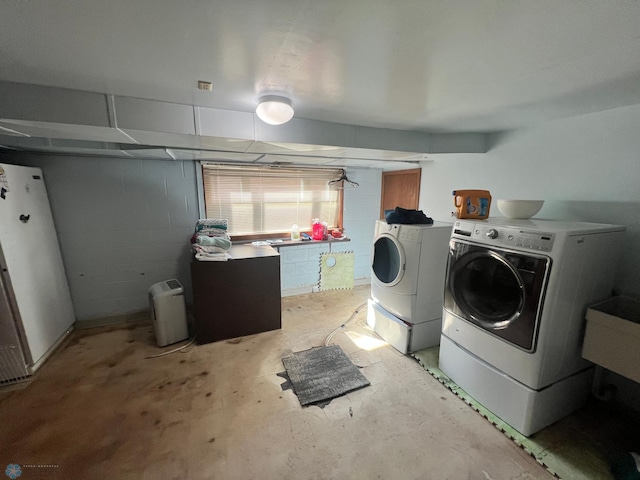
column 343, row 182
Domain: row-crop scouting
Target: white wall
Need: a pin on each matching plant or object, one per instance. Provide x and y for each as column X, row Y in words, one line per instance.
column 586, row 169
column 125, row 224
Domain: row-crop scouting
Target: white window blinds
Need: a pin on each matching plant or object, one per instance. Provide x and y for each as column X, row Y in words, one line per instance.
column 269, row 200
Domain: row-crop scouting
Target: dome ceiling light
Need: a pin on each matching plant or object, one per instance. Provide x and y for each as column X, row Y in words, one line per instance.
column 274, row 109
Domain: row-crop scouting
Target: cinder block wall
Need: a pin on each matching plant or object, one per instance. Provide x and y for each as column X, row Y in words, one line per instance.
column 125, row 224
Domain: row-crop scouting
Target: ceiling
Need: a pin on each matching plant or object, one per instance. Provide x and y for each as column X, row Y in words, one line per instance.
column 412, row 65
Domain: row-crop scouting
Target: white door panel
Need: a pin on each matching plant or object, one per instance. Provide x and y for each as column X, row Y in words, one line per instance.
column 33, row 258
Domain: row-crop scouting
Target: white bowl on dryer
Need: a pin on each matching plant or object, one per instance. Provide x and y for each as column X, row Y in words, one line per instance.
column 519, row 208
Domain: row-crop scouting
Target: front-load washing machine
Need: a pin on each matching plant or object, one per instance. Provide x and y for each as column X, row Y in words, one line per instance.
column 515, row 297
column 407, row 279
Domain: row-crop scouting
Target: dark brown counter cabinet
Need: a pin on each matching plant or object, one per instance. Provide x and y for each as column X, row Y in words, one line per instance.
column 238, row 297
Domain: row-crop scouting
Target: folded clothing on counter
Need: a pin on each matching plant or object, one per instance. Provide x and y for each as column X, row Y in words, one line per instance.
column 213, row 257
column 194, row 237
column 207, row 249
column 220, row 242
column 210, row 240
column 211, row 223
column 211, row 232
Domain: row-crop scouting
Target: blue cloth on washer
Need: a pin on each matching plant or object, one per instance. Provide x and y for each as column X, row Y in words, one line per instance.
column 407, row 217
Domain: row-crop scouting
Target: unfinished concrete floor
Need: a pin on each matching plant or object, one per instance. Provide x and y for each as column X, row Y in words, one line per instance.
column 98, row 409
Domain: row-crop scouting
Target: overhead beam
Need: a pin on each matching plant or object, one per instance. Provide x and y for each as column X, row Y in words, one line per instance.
column 25, row 108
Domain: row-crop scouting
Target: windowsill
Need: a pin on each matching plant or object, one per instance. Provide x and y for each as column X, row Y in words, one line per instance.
column 291, row 243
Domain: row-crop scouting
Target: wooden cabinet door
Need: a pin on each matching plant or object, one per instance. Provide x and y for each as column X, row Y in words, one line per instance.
column 400, row 188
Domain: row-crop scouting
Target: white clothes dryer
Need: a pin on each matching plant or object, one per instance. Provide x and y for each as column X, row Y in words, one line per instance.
column 407, row 278
column 516, row 293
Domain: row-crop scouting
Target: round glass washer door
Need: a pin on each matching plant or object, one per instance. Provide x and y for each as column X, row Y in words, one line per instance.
column 488, row 289
column 388, row 260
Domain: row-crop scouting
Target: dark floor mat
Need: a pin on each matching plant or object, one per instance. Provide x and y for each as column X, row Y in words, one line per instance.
column 321, row 374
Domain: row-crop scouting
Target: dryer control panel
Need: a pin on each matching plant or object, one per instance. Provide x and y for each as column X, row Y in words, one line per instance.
column 505, row 236
column 409, row 234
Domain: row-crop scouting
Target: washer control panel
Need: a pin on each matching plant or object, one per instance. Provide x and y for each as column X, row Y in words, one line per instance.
column 506, row 236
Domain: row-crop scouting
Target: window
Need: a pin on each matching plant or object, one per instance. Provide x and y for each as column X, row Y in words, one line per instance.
column 267, row 200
